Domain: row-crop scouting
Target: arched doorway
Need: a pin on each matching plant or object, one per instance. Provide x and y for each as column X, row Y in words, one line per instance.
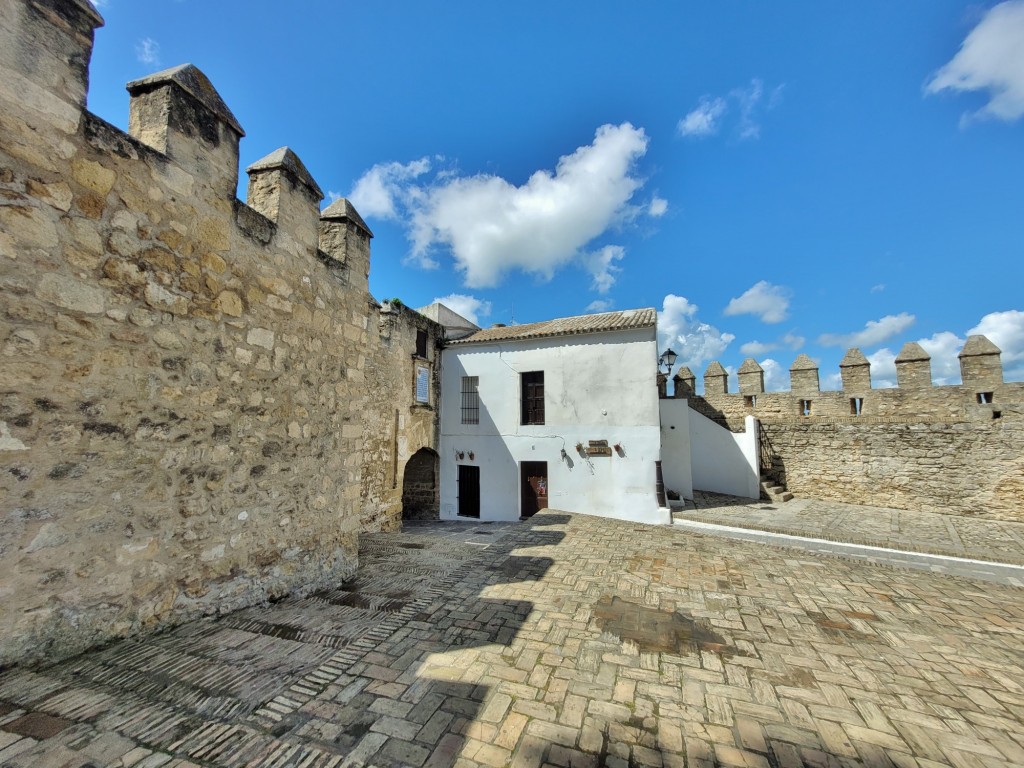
column 420, row 496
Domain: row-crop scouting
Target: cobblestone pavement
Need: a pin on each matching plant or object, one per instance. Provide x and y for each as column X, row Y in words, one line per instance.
column 957, row 536
column 566, row 640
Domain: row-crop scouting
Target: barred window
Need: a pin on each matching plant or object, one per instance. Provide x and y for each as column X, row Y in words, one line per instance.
column 470, row 400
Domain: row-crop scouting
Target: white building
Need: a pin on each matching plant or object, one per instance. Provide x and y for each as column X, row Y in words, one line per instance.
column 562, row 413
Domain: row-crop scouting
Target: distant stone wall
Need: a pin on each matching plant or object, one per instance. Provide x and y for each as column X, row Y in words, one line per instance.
column 953, row 468
column 953, row 402
column 200, row 403
column 951, row 449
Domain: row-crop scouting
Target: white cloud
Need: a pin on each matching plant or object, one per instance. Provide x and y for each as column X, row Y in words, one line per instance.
column 704, row 118
column 944, row 348
column 748, row 99
column 601, row 265
column 377, row 190
column 833, row 382
column 600, row 305
column 1006, row 331
column 793, row 341
column 755, row 348
column 878, row 288
column 991, row 59
column 748, row 102
column 147, row 51
column 657, row 207
column 875, row 332
column 695, row 342
column 767, row 301
column 776, row 376
column 492, row 226
column 470, row 307
column 333, row 197
column 883, row 368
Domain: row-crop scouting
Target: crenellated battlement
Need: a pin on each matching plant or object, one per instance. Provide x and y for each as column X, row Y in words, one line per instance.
column 982, row 395
column 197, row 410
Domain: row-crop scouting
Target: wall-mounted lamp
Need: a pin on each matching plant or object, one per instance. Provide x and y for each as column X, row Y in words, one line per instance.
column 471, row 456
column 667, row 359
column 460, row 454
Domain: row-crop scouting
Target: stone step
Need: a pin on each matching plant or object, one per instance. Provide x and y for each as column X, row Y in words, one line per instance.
column 774, row 491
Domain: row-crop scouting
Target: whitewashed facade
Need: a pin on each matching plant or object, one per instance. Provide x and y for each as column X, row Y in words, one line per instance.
column 597, row 375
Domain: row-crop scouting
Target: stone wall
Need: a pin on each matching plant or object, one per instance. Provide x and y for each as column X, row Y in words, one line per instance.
column 421, row 498
column 950, row 449
column 953, row 468
column 200, row 403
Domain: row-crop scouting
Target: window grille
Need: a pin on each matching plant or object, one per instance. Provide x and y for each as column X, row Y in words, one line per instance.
column 470, row 400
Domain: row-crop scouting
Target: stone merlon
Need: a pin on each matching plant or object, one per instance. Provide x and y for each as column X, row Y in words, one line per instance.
column 803, row 363
column 912, row 352
column 978, row 345
column 190, row 79
column 342, row 210
column 853, row 358
column 285, row 160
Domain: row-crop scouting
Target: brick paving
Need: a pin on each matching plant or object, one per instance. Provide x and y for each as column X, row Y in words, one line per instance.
column 566, row 640
column 958, row 536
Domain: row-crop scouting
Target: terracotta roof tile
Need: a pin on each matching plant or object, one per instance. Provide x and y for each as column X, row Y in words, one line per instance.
column 566, row 326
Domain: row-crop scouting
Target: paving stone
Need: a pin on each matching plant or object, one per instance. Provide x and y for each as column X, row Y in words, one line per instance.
column 779, row 657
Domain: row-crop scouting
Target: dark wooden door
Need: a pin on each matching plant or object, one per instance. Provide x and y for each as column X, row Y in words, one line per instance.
column 659, row 485
column 469, row 491
column 535, row 487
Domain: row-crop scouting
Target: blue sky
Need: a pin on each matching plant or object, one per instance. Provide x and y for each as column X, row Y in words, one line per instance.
column 775, row 178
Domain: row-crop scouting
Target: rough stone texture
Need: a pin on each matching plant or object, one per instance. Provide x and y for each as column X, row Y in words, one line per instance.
column 952, row 449
column 199, row 409
column 958, row 468
column 394, row 425
column 856, row 372
column 803, row 376
column 685, row 383
column 420, row 496
column 913, row 366
column 716, row 380
column 979, row 363
column 751, row 377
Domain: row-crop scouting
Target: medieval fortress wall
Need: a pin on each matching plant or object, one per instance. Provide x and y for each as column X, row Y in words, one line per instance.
column 949, row 449
column 201, row 405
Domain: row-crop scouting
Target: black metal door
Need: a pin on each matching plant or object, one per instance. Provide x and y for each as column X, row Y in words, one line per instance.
column 469, row 491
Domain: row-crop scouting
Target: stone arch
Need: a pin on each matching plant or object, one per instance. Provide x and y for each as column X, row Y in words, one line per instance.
column 421, row 498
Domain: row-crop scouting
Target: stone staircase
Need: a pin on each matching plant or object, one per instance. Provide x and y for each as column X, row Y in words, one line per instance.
column 774, row 492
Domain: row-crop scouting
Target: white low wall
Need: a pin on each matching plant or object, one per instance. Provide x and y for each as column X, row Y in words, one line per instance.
column 675, row 447
column 724, row 461
column 699, row 454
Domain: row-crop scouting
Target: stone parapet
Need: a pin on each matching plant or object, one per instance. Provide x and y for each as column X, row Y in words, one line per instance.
column 196, row 412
